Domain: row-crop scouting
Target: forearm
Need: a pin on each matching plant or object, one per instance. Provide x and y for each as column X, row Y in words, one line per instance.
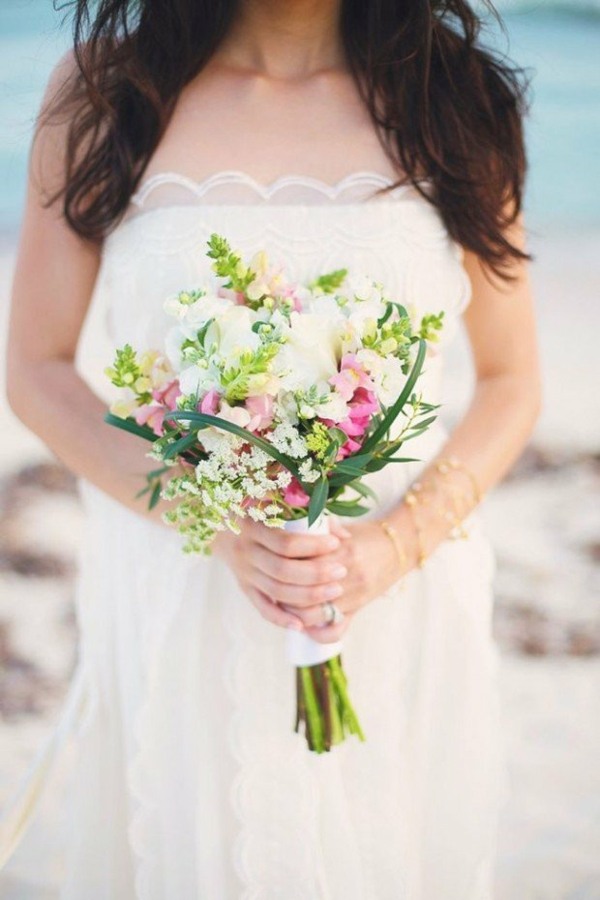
column 57, row 405
column 486, row 442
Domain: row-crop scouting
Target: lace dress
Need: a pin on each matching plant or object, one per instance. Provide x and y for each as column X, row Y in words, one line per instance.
column 189, row 781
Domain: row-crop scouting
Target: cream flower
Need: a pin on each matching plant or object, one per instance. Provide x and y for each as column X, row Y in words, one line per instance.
column 311, row 353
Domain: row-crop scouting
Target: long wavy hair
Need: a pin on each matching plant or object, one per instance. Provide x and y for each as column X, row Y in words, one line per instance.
column 444, row 106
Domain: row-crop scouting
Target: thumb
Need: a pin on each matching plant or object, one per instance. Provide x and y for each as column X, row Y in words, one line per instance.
column 339, row 530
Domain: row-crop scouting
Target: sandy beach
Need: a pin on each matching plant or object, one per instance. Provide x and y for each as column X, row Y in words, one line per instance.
column 545, row 524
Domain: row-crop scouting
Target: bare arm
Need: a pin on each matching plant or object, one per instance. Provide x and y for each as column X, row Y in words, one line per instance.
column 506, row 401
column 54, row 279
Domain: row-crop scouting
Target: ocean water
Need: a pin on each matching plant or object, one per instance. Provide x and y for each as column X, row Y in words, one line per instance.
column 558, row 41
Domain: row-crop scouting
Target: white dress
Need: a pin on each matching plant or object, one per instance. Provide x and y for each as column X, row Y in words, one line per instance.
column 189, row 781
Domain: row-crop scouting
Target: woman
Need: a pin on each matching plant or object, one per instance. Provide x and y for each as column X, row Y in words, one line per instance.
column 378, row 136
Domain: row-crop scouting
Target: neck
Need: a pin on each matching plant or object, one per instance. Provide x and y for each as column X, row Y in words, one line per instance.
column 287, row 39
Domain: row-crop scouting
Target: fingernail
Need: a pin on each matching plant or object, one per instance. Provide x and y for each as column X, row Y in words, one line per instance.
column 332, row 590
column 338, row 572
column 333, row 542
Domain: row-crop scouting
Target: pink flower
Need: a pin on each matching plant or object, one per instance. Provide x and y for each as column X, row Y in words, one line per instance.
column 295, row 495
column 152, row 415
column 289, row 291
column 351, row 446
column 167, row 395
column 350, row 377
column 362, row 407
column 229, row 294
column 260, row 408
column 210, row 403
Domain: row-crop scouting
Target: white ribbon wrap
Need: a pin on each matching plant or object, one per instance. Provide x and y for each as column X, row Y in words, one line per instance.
column 302, row 650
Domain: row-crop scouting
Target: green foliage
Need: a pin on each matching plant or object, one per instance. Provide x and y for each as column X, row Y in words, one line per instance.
column 330, row 282
column 430, row 327
column 126, row 373
column 238, row 380
column 228, row 264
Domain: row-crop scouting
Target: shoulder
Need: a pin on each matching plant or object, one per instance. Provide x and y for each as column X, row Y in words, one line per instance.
column 49, row 148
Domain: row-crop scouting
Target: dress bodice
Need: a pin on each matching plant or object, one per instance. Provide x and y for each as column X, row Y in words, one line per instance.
column 310, row 227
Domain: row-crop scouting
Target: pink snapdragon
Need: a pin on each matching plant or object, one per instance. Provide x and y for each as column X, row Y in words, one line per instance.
column 356, row 387
column 351, row 376
column 167, row 395
column 361, row 410
column 153, row 414
column 209, row 404
column 295, row 495
column 260, row 408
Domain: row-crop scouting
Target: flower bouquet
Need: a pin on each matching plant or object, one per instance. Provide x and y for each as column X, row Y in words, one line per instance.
column 272, row 400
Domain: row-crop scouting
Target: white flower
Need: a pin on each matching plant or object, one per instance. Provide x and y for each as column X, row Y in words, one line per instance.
column 286, row 439
column 387, row 375
column 307, row 472
column 232, row 333
column 311, row 352
column 334, row 408
column 193, row 315
column 325, row 305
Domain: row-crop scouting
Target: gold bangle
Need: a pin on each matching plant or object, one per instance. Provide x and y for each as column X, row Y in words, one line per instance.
column 395, row 539
column 411, row 501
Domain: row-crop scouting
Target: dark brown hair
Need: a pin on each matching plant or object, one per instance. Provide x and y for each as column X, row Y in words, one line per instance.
column 445, row 107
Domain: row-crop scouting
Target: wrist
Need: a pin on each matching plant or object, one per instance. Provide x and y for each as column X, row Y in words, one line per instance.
column 401, row 520
column 395, row 528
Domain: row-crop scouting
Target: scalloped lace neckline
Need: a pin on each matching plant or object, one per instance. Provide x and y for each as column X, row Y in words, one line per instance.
column 265, row 191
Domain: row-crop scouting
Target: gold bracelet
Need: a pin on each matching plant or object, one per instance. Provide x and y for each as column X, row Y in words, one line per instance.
column 411, row 500
column 395, row 539
column 445, row 464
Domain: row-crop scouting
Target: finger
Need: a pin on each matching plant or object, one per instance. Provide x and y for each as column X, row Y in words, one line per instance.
column 330, row 633
column 307, row 572
column 311, row 616
column 271, row 612
column 294, row 546
column 293, row 594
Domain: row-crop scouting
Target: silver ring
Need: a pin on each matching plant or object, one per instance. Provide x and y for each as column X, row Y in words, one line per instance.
column 333, row 614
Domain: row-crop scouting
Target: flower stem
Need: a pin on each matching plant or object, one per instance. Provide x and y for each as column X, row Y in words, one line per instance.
column 324, row 706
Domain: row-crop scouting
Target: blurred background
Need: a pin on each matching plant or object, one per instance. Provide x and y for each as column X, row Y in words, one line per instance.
column 544, row 519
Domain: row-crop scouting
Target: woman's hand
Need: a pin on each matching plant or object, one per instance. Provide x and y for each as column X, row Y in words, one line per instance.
column 284, row 574
column 371, row 561
column 289, row 576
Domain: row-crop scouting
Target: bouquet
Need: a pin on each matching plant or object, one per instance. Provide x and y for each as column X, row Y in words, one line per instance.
column 273, row 400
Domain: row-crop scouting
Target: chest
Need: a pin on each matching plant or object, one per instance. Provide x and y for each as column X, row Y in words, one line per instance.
column 320, row 129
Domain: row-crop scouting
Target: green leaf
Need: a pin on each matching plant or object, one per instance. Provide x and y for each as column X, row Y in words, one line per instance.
column 418, row 429
column 353, row 462
column 337, row 435
column 395, row 410
column 155, row 495
column 364, row 490
column 131, row 426
column 341, row 508
column 389, row 310
column 204, row 420
column 318, row 499
column 180, row 446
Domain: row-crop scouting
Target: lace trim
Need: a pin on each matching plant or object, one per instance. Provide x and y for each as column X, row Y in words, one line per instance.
column 265, row 191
